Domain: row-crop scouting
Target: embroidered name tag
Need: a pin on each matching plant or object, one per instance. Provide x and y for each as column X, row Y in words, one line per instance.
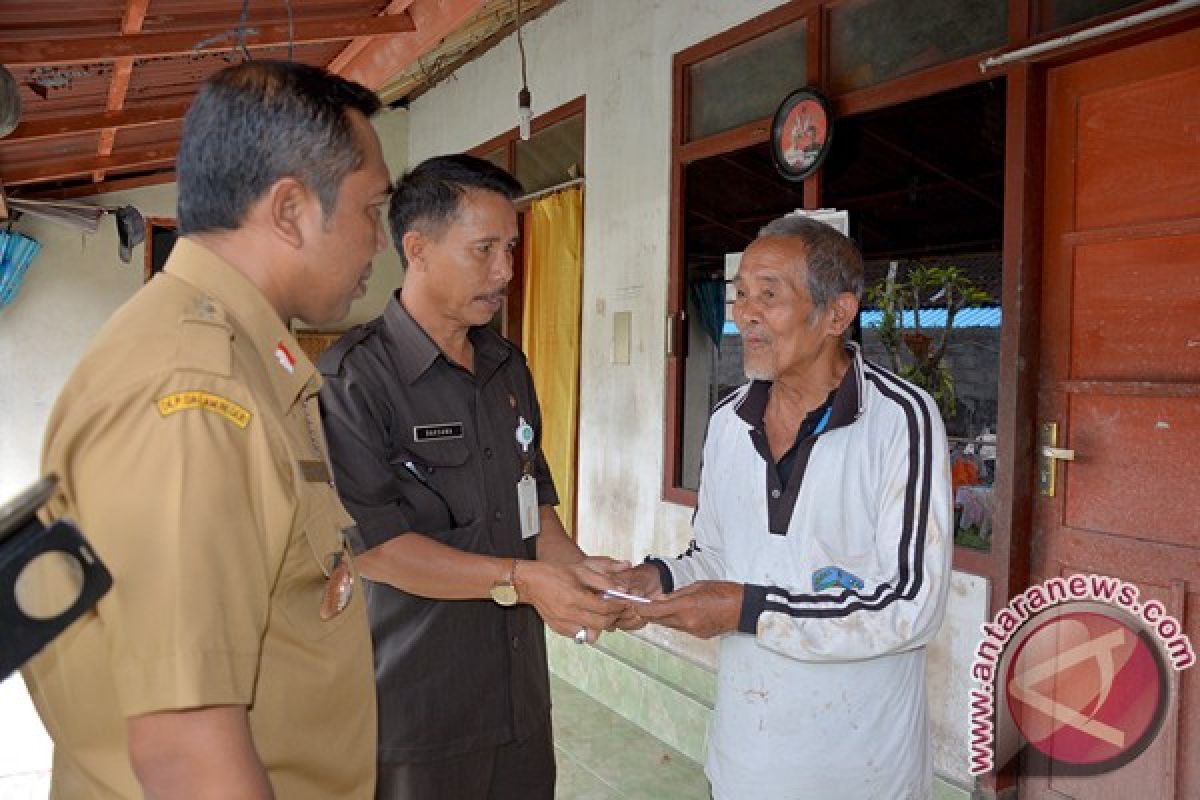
column 314, row 471
column 433, row 433
column 830, row 577
column 212, row 403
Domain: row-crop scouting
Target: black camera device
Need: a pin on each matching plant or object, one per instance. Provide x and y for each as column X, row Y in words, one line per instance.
column 48, row 576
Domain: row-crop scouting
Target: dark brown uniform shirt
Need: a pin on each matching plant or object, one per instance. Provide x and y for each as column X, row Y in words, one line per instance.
column 420, row 444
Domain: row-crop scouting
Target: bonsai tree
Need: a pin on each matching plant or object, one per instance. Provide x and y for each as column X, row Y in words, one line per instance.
column 912, row 350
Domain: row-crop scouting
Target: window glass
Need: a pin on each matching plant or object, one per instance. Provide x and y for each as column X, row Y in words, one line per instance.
column 1055, row 14
column 871, row 41
column 747, row 82
column 552, row 155
column 965, row 382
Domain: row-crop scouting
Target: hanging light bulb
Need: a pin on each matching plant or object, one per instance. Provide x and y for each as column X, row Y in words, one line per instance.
column 524, row 100
column 524, row 112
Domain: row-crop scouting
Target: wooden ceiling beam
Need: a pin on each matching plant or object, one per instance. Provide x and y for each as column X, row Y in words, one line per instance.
column 70, row 167
column 147, row 45
column 380, row 59
column 118, row 87
column 359, row 44
column 118, row 184
column 88, row 123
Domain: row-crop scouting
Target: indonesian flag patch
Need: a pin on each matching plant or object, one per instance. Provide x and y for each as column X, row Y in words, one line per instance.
column 285, row 358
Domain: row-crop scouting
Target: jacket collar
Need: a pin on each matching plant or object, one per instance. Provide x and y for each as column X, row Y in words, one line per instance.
column 847, row 399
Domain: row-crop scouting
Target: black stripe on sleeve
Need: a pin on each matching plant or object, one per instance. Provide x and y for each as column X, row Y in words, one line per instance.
column 754, row 603
column 664, row 574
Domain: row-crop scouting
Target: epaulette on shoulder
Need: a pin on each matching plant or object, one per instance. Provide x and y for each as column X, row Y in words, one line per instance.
column 330, row 362
column 208, row 336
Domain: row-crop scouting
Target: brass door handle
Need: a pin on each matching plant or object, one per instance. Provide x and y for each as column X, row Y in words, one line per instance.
column 1049, row 454
column 1060, row 453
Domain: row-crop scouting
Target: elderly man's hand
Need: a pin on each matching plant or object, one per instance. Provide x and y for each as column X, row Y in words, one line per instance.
column 704, row 609
column 642, row 581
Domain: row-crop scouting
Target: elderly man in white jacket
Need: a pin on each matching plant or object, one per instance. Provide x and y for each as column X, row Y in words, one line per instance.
column 822, row 547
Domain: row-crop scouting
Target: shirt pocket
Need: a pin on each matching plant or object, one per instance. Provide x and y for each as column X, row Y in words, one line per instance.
column 310, row 569
column 441, row 487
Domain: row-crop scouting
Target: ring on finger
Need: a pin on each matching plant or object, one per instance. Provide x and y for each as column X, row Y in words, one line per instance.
column 581, row 636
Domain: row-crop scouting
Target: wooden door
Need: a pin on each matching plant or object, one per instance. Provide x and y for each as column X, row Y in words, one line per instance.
column 1120, row 363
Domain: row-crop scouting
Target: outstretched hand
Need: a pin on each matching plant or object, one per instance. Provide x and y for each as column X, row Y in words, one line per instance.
column 703, row 609
column 567, row 596
column 642, row 581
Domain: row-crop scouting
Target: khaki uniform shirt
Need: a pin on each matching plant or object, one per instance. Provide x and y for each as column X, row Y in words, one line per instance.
column 186, row 458
column 420, row 444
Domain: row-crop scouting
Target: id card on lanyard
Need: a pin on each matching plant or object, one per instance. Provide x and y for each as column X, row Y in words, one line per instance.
column 527, row 504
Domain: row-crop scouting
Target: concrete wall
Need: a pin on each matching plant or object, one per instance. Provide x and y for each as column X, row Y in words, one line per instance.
column 618, row 54
column 71, row 288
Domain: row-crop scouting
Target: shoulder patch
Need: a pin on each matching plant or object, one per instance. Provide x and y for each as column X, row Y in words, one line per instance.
column 204, row 401
column 330, row 362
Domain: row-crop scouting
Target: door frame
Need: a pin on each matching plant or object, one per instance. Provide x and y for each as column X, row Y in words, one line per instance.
column 1008, row 564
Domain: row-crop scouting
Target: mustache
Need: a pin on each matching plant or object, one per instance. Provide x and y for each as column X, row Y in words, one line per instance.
column 756, row 335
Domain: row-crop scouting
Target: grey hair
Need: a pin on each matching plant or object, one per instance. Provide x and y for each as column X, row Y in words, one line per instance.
column 835, row 264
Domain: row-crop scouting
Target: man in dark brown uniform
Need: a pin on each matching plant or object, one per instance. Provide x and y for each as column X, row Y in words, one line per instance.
column 435, row 435
column 232, row 657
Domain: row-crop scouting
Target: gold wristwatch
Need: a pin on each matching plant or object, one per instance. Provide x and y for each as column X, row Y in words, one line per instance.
column 505, row 592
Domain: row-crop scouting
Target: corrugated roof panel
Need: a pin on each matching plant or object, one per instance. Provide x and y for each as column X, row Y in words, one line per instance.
column 974, row 317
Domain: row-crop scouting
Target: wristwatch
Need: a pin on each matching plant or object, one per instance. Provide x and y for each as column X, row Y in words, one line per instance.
column 505, row 592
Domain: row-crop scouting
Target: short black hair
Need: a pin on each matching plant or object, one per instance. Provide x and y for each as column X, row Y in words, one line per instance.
column 428, row 196
column 257, row 122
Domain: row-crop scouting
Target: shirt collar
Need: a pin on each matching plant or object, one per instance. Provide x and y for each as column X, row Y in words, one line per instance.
column 289, row 369
column 415, row 351
column 847, row 399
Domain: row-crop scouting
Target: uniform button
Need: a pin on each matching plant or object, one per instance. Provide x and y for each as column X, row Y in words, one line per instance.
column 516, row 641
column 499, row 516
column 775, row 494
column 487, row 452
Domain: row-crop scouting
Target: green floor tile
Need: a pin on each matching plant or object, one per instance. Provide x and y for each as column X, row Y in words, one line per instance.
column 576, row 783
column 598, row 748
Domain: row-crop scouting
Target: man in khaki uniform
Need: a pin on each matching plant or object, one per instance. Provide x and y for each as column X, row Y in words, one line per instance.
column 232, row 657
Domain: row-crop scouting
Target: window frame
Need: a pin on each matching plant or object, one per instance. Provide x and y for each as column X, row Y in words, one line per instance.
column 514, row 306
column 162, row 223
column 1006, row 563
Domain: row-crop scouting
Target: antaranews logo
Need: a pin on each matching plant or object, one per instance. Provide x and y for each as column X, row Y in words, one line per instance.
column 1073, row 671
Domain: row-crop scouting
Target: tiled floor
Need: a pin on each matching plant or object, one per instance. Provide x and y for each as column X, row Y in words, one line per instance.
column 603, row 756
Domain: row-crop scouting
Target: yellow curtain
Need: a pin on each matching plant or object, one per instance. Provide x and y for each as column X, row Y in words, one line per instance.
column 550, row 330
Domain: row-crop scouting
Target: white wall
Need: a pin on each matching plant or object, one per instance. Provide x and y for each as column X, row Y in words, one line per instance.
column 618, row 53
column 71, row 288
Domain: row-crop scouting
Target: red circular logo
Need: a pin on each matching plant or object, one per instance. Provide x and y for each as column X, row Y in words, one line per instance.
column 1087, row 689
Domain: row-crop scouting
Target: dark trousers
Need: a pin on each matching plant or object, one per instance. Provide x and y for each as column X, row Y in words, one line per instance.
column 515, row 771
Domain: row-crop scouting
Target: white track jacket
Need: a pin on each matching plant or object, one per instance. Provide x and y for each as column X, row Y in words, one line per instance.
column 822, row 692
